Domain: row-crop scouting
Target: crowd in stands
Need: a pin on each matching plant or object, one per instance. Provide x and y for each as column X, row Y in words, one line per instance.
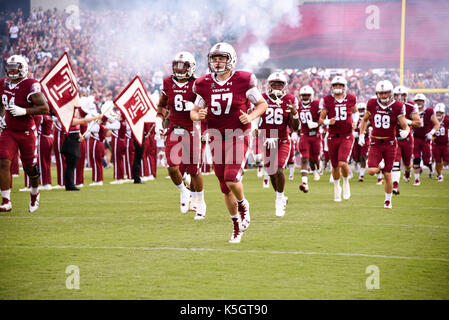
column 44, row 36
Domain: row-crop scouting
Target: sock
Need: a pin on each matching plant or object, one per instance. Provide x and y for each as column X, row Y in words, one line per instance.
column 240, row 201
column 388, row 196
column 346, row 179
column 279, row 195
column 304, row 179
column 6, row 194
column 181, row 187
column 396, row 175
column 292, row 170
column 236, row 216
column 362, row 172
column 416, row 176
column 337, row 182
column 34, row 191
column 200, row 195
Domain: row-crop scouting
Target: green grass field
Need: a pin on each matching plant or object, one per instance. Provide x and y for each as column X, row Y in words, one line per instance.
column 131, row 242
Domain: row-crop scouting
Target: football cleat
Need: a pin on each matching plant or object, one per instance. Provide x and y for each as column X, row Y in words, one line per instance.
column 58, row 187
column 304, row 187
column 266, row 183
column 430, row 174
column 440, row 178
column 79, row 185
column 25, row 189
column 361, row 179
column 34, row 202
column 337, row 193
column 98, row 183
column 346, row 190
column 259, row 172
column 316, row 176
column 387, row 204
column 120, row 181
column 46, row 187
column 417, row 182
column 245, row 219
column 6, row 205
column 281, row 205
column 379, row 181
column 406, row 176
column 236, row 233
column 184, row 201
column 200, row 211
column 331, row 179
column 396, row 188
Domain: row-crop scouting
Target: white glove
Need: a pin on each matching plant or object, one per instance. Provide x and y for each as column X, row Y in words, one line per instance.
column 295, row 136
column 356, row 134
column 158, row 128
column 17, row 111
column 362, row 140
column 188, row 105
column 312, row 125
column 403, row 133
column 430, row 134
column 270, row 143
column 409, row 122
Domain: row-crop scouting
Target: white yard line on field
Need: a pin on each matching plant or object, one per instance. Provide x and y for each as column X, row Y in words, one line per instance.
column 342, row 254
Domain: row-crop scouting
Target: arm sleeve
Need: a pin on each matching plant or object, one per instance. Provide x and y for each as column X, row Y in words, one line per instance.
column 35, row 88
column 253, row 95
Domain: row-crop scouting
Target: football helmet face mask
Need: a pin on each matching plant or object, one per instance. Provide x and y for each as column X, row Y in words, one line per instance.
column 183, row 65
column 400, row 93
column 384, row 91
column 222, row 49
column 307, row 94
column 339, row 80
column 16, row 67
column 277, row 85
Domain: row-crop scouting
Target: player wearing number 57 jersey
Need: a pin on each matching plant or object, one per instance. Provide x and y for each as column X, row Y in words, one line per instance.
column 183, row 137
column 384, row 113
column 223, row 99
column 21, row 99
column 338, row 108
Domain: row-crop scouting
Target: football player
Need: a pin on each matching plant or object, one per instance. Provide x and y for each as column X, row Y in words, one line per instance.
column 423, row 136
column 223, row 98
column 440, row 146
column 183, row 150
column 21, row 99
column 384, row 113
column 360, row 153
column 282, row 113
column 338, row 107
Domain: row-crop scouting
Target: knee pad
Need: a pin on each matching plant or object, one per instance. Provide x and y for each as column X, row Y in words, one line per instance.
column 416, row 162
column 34, row 172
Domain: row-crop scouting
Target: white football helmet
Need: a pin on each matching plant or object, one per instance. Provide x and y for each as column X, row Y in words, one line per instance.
column 222, row 49
column 440, row 110
column 16, row 67
column 361, row 107
column 384, row 86
column 399, row 91
column 339, row 80
column 277, row 77
column 306, row 90
column 420, row 97
column 183, row 65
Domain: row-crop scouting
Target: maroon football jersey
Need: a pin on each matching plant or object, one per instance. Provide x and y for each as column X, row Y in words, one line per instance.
column 18, row 94
column 409, row 109
column 225, row 101
column 46, row 125
column 341, row 111
column 441, row 135
column 426, row 123
column 276, row 116
column 310, row 112
column 176, row 93
column 384, row 119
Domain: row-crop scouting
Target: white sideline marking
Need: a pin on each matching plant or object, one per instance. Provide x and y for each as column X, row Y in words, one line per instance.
column 344, row 254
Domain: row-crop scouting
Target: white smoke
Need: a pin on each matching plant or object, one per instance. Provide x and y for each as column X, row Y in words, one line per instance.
column 147, row 35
